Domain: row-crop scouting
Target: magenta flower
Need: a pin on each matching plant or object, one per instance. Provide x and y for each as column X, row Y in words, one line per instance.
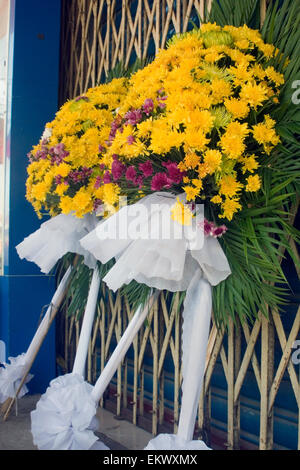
column 97, row 203
column 133, row 117
column 98, row 182
column 82, row 98
column 58, row 154
column 146, row 168
column 130, row 139
column 117, row 169
column 115, row 126
column 101, row 148
column 219, row 231
column 131, row 174
column 107, row 177
column 174, row 174
column 148, row 106
column 160, row 181
column 140, row 181
column 210, row 229
column 58, row 179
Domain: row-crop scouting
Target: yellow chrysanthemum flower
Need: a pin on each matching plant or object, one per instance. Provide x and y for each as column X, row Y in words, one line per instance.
column 181, row 213
column 229, row 208
column 212, row 159
column 253, row 183
column 254, row 94
column 238, row 108
column 229, row 186
column 191, row 192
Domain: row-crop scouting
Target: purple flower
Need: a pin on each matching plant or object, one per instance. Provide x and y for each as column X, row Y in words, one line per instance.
column 210, row 229
column 131, row 174
column 97, row 204
column 98, row 182
column 219, row 231
column 81, row 98
column 101, row 148
column 115, row 125
column 107, row 178
column 140, row 181
column 58, row 179
column 117, row 169
column 130, row 139
column 160, row 181
column 148, row 106
column 58, row 154
column 133, row 117
column 77, row 176
column 174, row 174
column 146, row 168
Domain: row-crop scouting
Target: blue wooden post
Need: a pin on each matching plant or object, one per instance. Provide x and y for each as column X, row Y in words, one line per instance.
column 33, row 99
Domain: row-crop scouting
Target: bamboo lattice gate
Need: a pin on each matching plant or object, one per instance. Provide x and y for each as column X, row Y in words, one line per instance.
column 96, row 35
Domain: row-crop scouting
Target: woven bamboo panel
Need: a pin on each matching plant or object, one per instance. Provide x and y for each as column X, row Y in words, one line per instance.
column 160, row 339
column 96, row 35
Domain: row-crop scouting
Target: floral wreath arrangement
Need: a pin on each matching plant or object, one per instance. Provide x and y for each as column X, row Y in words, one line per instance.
column 210, row 121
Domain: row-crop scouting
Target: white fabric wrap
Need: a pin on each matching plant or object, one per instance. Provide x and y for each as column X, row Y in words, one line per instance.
column 57, row 237
column 64, row 416
column 191, row 262
column 11, row 376
column 174, row 442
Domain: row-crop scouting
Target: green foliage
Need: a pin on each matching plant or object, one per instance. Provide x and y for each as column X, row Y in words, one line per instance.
column 236, row 13
column 258, row 237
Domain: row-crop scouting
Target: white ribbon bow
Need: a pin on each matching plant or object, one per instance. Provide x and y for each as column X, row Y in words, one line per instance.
column 64, row 416
column 55, row 238
column 191, row 262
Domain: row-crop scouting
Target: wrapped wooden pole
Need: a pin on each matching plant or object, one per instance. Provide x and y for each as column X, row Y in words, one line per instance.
column 38, row 338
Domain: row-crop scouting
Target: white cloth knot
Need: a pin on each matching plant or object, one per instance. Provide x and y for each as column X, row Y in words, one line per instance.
column 64, row 414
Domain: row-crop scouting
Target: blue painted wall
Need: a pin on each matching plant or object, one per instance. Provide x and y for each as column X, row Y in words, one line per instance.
column 34, row 70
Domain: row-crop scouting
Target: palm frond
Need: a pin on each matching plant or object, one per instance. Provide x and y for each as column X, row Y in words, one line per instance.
column 231, row 12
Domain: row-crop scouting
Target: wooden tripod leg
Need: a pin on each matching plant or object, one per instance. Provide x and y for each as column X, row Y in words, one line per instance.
column 39, row 339
column 121, row 349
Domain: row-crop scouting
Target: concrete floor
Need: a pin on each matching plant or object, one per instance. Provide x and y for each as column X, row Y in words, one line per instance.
column 116, row 434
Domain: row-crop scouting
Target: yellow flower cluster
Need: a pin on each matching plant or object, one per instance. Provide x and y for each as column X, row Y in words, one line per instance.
column 196, row 106
column 65, row 166
column 212, row 86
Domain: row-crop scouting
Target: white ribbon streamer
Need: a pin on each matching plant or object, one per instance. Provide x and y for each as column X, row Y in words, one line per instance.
column 45, row 247
column 87, row 324
column 11, row 376
column 62, row 433
column 188, row 263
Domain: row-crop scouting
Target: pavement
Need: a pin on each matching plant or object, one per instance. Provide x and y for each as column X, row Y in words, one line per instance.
column 117, row 434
